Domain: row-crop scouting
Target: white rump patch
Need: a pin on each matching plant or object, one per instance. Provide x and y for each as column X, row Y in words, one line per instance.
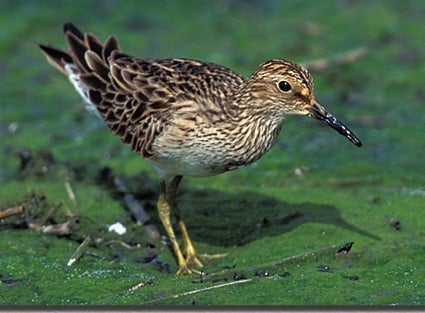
column 82, row 89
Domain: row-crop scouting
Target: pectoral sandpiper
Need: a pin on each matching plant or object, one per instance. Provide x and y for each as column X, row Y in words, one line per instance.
column 187, row 117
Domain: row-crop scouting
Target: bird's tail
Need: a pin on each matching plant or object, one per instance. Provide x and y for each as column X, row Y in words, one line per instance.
column 85, row 63
column 85, row 52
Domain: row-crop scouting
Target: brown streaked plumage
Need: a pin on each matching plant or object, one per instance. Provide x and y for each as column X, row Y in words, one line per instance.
column 187, row 117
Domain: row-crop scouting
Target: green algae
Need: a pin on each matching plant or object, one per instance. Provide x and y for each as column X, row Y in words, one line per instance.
column 313, row 190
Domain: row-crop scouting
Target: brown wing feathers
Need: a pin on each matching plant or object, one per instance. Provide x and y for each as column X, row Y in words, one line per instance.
column 86, row 52
column 57, row 57
column 109, row 85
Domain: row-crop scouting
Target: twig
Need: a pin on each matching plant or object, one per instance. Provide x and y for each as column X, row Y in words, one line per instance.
column 79, row 252
column 344, row 58
column 12, row 211
column 140, row 215
column 227, row 274
column 47, row 216
column 187, row 293
column 301, row 256
column 142, row 284
column 61, row 229
column 96, row 256
column 136, row 209
column 70, row 192
column 123, row 244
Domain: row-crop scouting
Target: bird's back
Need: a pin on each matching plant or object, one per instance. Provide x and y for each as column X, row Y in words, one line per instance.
column 140, row 99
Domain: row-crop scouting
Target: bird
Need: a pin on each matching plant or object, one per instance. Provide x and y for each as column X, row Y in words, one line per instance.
column 187, row 117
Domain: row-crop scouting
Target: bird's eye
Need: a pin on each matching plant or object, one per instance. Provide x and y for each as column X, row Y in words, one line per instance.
column 284, row 86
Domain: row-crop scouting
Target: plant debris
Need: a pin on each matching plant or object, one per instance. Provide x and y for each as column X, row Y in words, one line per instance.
column 79, row 252
column 34, row 211
column 122, row 190
column 12, row 211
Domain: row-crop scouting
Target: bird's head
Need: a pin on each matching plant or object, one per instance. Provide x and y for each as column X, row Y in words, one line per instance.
column 283, row 88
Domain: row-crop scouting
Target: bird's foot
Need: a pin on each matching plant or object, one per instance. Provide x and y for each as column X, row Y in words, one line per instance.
column 194, row 261
column 186, row 270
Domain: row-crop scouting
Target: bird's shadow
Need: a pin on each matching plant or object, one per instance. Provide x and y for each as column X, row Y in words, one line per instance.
column 224, row 219
column 228, row 219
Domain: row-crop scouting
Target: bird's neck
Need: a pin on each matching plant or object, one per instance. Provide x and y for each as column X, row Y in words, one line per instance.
column 254, row 128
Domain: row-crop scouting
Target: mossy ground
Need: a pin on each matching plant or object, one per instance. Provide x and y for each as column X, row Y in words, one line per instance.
column 313, row 190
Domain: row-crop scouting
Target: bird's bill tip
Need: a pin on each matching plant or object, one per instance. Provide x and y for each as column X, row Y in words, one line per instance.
column 320, row 113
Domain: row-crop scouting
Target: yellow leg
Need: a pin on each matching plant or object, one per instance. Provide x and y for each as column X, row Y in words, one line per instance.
column 192, row 258
column 164, row 215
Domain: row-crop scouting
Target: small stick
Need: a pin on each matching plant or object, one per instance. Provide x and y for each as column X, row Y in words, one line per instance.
column 70, row 192
column 187, row 293
column 96, row 256
column 12, row 211
column 301, row 256
column 136, row 209
column 344, row 58
column 123, row 244
column 47, row 216
column 142, row 284
column 79, row 252
column 61, row 229
column 298, row 257
column 140, row 214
